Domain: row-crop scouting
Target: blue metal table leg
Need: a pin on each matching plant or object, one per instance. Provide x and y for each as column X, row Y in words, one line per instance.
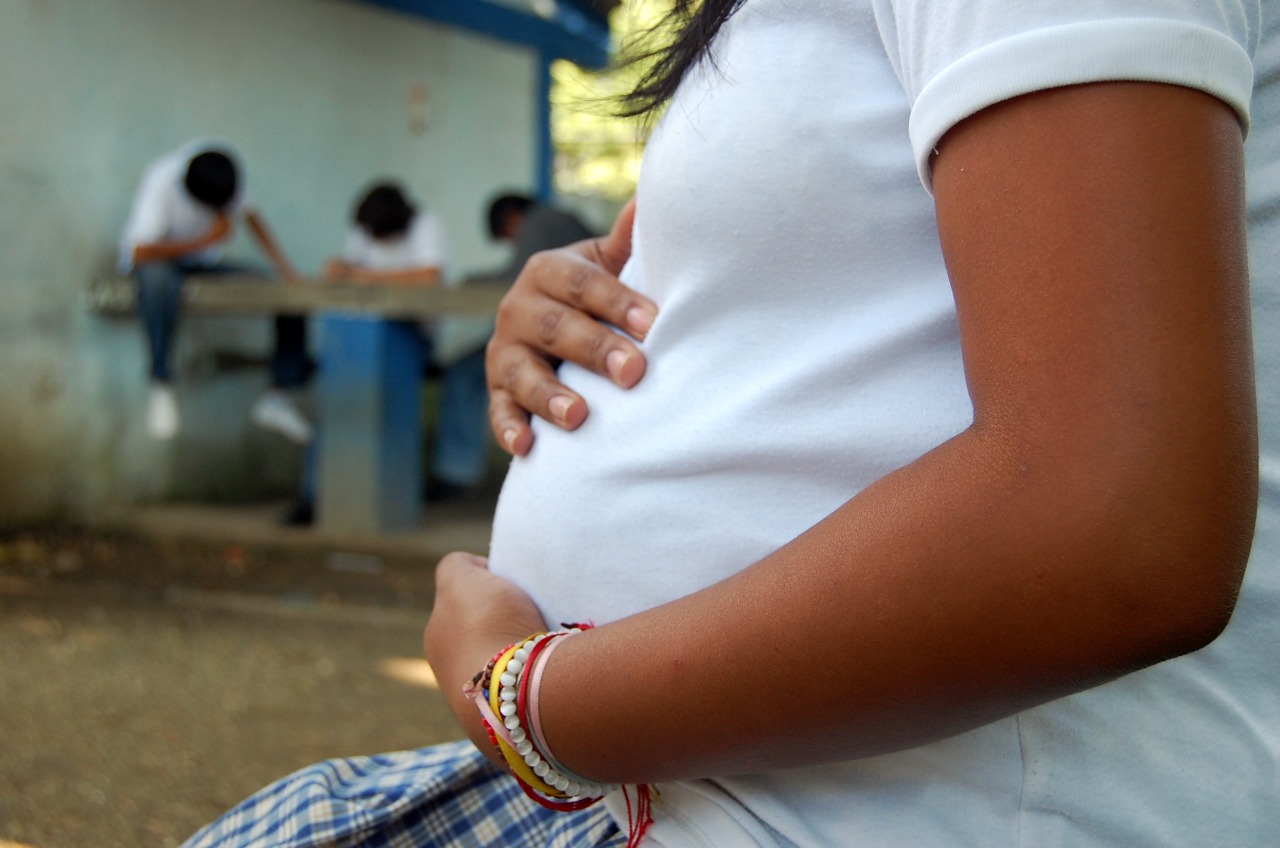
column 369, row 475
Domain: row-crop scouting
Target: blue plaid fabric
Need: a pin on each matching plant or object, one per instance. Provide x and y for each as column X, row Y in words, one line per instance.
column 448, row 795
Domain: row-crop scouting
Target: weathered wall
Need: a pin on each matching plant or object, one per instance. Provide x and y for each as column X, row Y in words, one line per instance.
column 320, row 97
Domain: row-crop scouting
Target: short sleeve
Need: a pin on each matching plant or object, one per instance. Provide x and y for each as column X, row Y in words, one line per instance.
column 148, row 218
column 427, row 241
column 355, row 250
column 956, row 59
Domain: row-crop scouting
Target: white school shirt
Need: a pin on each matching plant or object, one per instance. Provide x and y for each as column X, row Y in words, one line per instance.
column 423, row 245
column 163, row 210
column 807, row 345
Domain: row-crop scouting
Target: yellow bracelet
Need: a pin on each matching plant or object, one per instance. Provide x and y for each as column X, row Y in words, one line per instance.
column 495, row 688
column 521, row 769
column 509, row 682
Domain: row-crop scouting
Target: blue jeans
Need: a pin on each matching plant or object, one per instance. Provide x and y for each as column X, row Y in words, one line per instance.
column 160, row 302
column 461, row 424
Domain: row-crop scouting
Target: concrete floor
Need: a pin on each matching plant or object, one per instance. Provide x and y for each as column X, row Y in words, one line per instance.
column 460, row 525
column 153, row 675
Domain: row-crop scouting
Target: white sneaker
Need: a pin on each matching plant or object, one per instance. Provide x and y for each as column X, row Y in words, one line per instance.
column 276, row 411
column 162, row 412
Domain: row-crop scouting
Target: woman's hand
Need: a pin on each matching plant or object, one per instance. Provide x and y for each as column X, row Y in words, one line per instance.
column 557, row 310
column 475, row 615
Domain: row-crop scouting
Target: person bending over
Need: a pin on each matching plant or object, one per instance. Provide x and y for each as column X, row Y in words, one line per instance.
column 529, row 227
column 186, row 208
column 394, row 242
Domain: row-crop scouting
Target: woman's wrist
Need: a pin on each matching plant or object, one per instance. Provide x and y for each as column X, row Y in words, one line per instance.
column 502, row 693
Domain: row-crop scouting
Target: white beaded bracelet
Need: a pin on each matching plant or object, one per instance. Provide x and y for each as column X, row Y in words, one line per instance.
column 522, row 742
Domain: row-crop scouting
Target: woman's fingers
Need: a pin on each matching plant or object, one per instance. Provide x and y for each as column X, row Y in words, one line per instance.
column 565, row 332
column 564, row 307
column 578, row 277
column 613, row 251
column 510, row 423
column 522, row 382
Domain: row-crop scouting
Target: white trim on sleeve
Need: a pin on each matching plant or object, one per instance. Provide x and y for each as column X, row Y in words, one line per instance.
column 1147, row 50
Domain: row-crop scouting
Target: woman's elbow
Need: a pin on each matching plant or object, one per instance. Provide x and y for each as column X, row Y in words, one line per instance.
column 1199, row 563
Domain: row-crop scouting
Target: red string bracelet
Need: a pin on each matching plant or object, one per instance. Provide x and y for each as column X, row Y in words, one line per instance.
column 517, row 734
column 531, row 701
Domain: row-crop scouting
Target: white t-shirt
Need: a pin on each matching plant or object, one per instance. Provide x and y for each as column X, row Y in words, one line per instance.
column 423, row 245
column 163, row 210
column 807, row 345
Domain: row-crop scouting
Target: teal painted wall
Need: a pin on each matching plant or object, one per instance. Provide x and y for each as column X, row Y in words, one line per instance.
column 320, row 96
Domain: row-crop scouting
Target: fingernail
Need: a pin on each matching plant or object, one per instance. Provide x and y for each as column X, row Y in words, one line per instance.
column 509, row 440
column 639, row 320
column 615, row 362
column 559, row 406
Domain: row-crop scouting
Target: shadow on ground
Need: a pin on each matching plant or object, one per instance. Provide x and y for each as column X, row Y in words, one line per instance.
column 147, row 685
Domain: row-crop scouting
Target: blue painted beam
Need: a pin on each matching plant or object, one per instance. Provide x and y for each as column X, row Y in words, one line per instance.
column 545, row 152
column 598, row 9
column 369, row 475
column 574, row 33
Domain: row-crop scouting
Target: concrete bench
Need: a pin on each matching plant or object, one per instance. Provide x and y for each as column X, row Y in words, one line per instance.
column 230, row 294
column 369, row 463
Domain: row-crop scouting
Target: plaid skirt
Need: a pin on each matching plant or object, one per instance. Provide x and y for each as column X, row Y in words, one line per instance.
column 447, row 795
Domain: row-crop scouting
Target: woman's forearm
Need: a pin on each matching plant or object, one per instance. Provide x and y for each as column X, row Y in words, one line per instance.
column 956, row 591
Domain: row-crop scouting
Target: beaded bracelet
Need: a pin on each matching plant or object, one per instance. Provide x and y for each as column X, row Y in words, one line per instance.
column 514, row 693
column 492, row 711
column 506, row 692
column 512, row 743
column 525, row 707
column 525, row 779
column 501, row 692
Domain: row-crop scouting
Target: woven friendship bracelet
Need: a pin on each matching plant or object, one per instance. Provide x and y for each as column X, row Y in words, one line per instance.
column 501, row 692
column 532, row 720
column 507, row 692
column 526, row 706
column 514, row 694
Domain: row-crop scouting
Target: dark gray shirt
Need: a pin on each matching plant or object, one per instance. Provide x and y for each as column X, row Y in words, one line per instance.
column 544, row 228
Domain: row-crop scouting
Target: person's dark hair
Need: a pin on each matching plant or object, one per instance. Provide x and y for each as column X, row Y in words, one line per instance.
column 695, row 25
column 384, row 211
column 212, row 179
column 503, row 207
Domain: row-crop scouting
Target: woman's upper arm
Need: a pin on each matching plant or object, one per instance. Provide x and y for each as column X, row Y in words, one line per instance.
column 1095, row 240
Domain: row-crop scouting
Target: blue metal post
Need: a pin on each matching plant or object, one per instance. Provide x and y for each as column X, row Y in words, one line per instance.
column 370, row 448
column 545, row 153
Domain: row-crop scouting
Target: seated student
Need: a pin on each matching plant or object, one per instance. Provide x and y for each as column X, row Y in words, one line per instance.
column 530, row 226
column 394, row 242
column 183, row 214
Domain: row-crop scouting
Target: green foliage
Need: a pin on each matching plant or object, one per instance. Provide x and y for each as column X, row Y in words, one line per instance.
column 597, row 152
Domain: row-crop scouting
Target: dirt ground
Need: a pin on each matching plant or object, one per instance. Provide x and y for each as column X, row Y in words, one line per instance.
column 147, row 685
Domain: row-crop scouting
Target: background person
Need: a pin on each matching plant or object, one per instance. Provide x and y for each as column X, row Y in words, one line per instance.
column 394, row 242
column 186, row 207
column 529, row 227
column 391, row 242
